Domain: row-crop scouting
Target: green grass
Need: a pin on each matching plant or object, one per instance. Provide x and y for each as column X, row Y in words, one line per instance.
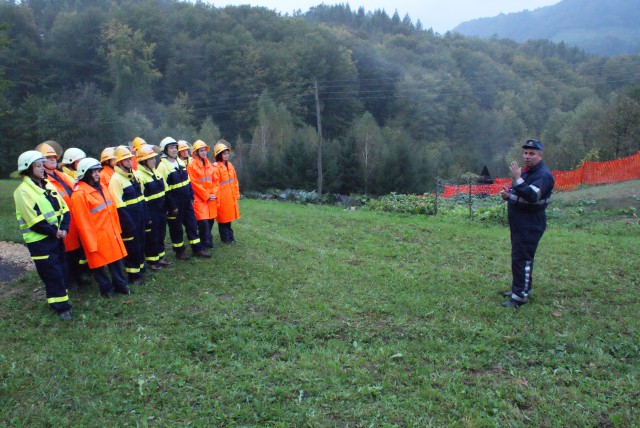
column 326, row 317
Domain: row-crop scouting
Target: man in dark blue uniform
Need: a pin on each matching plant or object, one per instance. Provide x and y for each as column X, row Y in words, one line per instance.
column 527, row 201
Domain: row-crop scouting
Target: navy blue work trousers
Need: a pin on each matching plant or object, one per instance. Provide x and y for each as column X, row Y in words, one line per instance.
column 226, row 233
column 527, row 228
column 187, row 218
column 118, row 282
column 51, row 264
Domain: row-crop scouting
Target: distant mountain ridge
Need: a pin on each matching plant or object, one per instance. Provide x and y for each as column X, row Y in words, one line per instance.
column 602, row 27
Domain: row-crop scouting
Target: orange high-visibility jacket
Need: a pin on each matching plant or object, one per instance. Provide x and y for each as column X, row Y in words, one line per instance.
column 228, row 193
column 63, row 185
column 96, row 217
column 105, row 175
column 204, row 180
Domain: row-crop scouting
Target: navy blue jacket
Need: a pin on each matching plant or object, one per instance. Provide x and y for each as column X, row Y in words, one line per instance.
column 533, row 190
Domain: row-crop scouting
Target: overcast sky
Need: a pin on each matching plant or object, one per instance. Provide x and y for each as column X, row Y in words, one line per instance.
column 441, row 15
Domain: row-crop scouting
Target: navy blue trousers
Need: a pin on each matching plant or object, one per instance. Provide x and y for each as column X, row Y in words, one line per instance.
column 204, row 231
column 51, row 264
column 118, row 282
column 187, row 218
column 527, row 228
column 226, row 233
column 134, row 260
column 154, row 236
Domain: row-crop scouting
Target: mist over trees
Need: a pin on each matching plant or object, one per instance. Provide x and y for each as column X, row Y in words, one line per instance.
column 601, row 27
column 399, row 104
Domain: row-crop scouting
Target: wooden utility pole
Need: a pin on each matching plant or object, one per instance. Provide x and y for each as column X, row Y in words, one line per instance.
column 315, row 83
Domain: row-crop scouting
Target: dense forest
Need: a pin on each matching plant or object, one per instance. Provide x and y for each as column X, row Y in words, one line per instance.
column 602, row 27
column 397, row 104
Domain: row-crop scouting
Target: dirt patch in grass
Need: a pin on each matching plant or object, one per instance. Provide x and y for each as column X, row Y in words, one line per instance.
column 15, row 261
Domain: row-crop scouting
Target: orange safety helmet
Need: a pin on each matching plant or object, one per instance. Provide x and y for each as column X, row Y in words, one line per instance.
column 47, row 150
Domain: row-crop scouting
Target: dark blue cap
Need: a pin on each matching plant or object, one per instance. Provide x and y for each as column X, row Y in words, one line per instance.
column 532, row 144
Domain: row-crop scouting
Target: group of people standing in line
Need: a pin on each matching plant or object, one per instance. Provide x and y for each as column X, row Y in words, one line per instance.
column 112, row 214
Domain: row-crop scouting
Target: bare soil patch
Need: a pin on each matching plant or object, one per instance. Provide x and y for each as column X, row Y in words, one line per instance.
column 14, row 261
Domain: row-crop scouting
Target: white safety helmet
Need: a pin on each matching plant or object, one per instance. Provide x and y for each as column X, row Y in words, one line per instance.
column 86, row 165
column 26, row 159
column 167, row 141
column 71, row 155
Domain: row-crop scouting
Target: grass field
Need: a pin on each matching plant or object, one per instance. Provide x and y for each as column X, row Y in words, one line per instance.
column 327, row 317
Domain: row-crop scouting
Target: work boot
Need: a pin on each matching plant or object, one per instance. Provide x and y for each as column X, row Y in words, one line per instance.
column 164, row 262
column 126, row 290
column 65, row 316
column 512, row 304
column 155, row 266
column 202, row 253
column 506, row 293
column 183, row 256
column 107, row 294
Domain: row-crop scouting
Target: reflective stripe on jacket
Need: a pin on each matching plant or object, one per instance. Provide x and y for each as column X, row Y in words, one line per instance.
column 127, row 195
column 204, row 181
column 98, row 225
column 36, row 205
column 65, row 188
column 153, row 189
column 229, row 193
column 532, row 191
column 177, row 182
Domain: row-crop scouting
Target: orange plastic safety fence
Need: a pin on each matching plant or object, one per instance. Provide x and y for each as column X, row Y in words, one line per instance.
column 588, row 173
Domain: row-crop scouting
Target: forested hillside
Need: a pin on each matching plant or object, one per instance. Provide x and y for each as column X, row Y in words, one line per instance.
column 399, row 104
column 602, row 27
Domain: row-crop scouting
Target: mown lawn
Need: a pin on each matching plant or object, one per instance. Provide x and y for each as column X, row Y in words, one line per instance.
column 326, row 317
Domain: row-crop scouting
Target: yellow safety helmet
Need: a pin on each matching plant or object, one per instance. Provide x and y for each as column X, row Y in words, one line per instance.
column 121, row 153
column 107, row 154
column 47, row 149
column 147, row 152
column 183, row 145
column 199, row 144
column 220, row 147
column 137, row 143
